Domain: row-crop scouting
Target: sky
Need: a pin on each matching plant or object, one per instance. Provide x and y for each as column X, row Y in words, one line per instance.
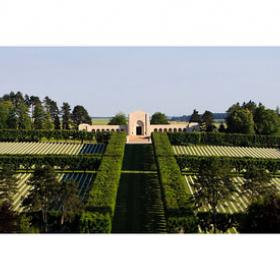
column 173, row 80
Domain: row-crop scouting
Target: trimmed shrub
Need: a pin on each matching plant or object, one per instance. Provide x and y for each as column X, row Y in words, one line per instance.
column 178, row 208
column 103, row 195
column 224, row 139
column 95, row 222
column 192, row 163
column 14, row 135
column 74, row 162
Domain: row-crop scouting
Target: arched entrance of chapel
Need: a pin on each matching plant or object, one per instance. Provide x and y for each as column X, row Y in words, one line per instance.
column 139, row 128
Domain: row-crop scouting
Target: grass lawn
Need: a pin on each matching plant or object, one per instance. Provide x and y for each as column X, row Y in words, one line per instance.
column 100, row 121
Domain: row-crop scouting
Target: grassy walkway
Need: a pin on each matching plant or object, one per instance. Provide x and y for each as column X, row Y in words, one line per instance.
column 139, row 205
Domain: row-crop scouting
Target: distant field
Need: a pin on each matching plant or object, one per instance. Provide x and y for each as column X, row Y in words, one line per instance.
column 84, row 181
column 227, row 151
column 50, row 148
column 100, row 121
column 238, row 203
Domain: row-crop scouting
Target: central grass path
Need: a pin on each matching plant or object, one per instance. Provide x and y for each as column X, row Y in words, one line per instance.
column 139, row 206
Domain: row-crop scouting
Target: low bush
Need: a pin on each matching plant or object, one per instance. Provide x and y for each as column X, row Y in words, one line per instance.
column 224, row 139
column 192, row 163
column 72, row 162
column 102, row 197
column 178, row 208
column 15, row 135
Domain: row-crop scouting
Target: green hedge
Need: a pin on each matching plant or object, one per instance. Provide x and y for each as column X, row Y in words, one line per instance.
column 229, row 139
column 176, row 198
column 73, row 162
column 102, row 197
column 192, row 163
column 14, row 135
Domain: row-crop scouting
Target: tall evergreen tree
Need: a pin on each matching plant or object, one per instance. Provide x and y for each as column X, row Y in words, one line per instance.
column 39, row 116
column 207, row 121
column 8, row 183
column 12, row 121
column 69, row 203
column 43, row 197
column 52, row 108
column 66, row 116
column 257, row 182
column 214, row 185
column 80, row 115
column 195, row 117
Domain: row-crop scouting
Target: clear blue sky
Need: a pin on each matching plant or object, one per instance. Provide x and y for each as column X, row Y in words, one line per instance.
column 172, row 80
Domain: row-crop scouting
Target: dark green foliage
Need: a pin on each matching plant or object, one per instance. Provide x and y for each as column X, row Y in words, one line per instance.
column 79, row 116
column 192, row 163
column 39, row 116
column 95, row 222
column 186, row 223
column 240, row 121
column 118, row 119
column 267, row 121
column 66, row 116
column 195, row 117
column 252, row 118
column 8, row 219
column 262, row 216
column 224, row 139
column 68, row 201
column 139, row 206
column 159, row 118
column 14, row 135
column 52, row 109
column 72, row 162
column 139, row 157
column 213, row 186
column 8, row 183
column 103, row 195
column 258, row 182
column 176, row 199
column 207, row 121
column 43, row 196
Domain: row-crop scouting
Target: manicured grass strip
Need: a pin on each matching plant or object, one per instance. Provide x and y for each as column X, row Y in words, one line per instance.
column 139, row 205
column 139, row 157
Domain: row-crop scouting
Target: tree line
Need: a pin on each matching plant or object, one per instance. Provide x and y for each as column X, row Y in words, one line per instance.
column 246, row 118
column 51, row 206
column 24, row 112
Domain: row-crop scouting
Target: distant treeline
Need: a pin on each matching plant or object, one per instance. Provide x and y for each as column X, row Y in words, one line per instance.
column 23, row 135
column 185, row 118
column 18, row 111
column 247, row 118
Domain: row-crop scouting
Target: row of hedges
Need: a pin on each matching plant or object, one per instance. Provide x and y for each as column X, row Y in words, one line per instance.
column 72, row 162
column 192, row 163
column 228, row 139
column 101, row 204
column 179, row 214
column 14, row 135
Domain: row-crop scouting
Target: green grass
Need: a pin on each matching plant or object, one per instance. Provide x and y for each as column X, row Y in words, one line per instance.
column 100, row 121
column 139, row 205
column 139, row 157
